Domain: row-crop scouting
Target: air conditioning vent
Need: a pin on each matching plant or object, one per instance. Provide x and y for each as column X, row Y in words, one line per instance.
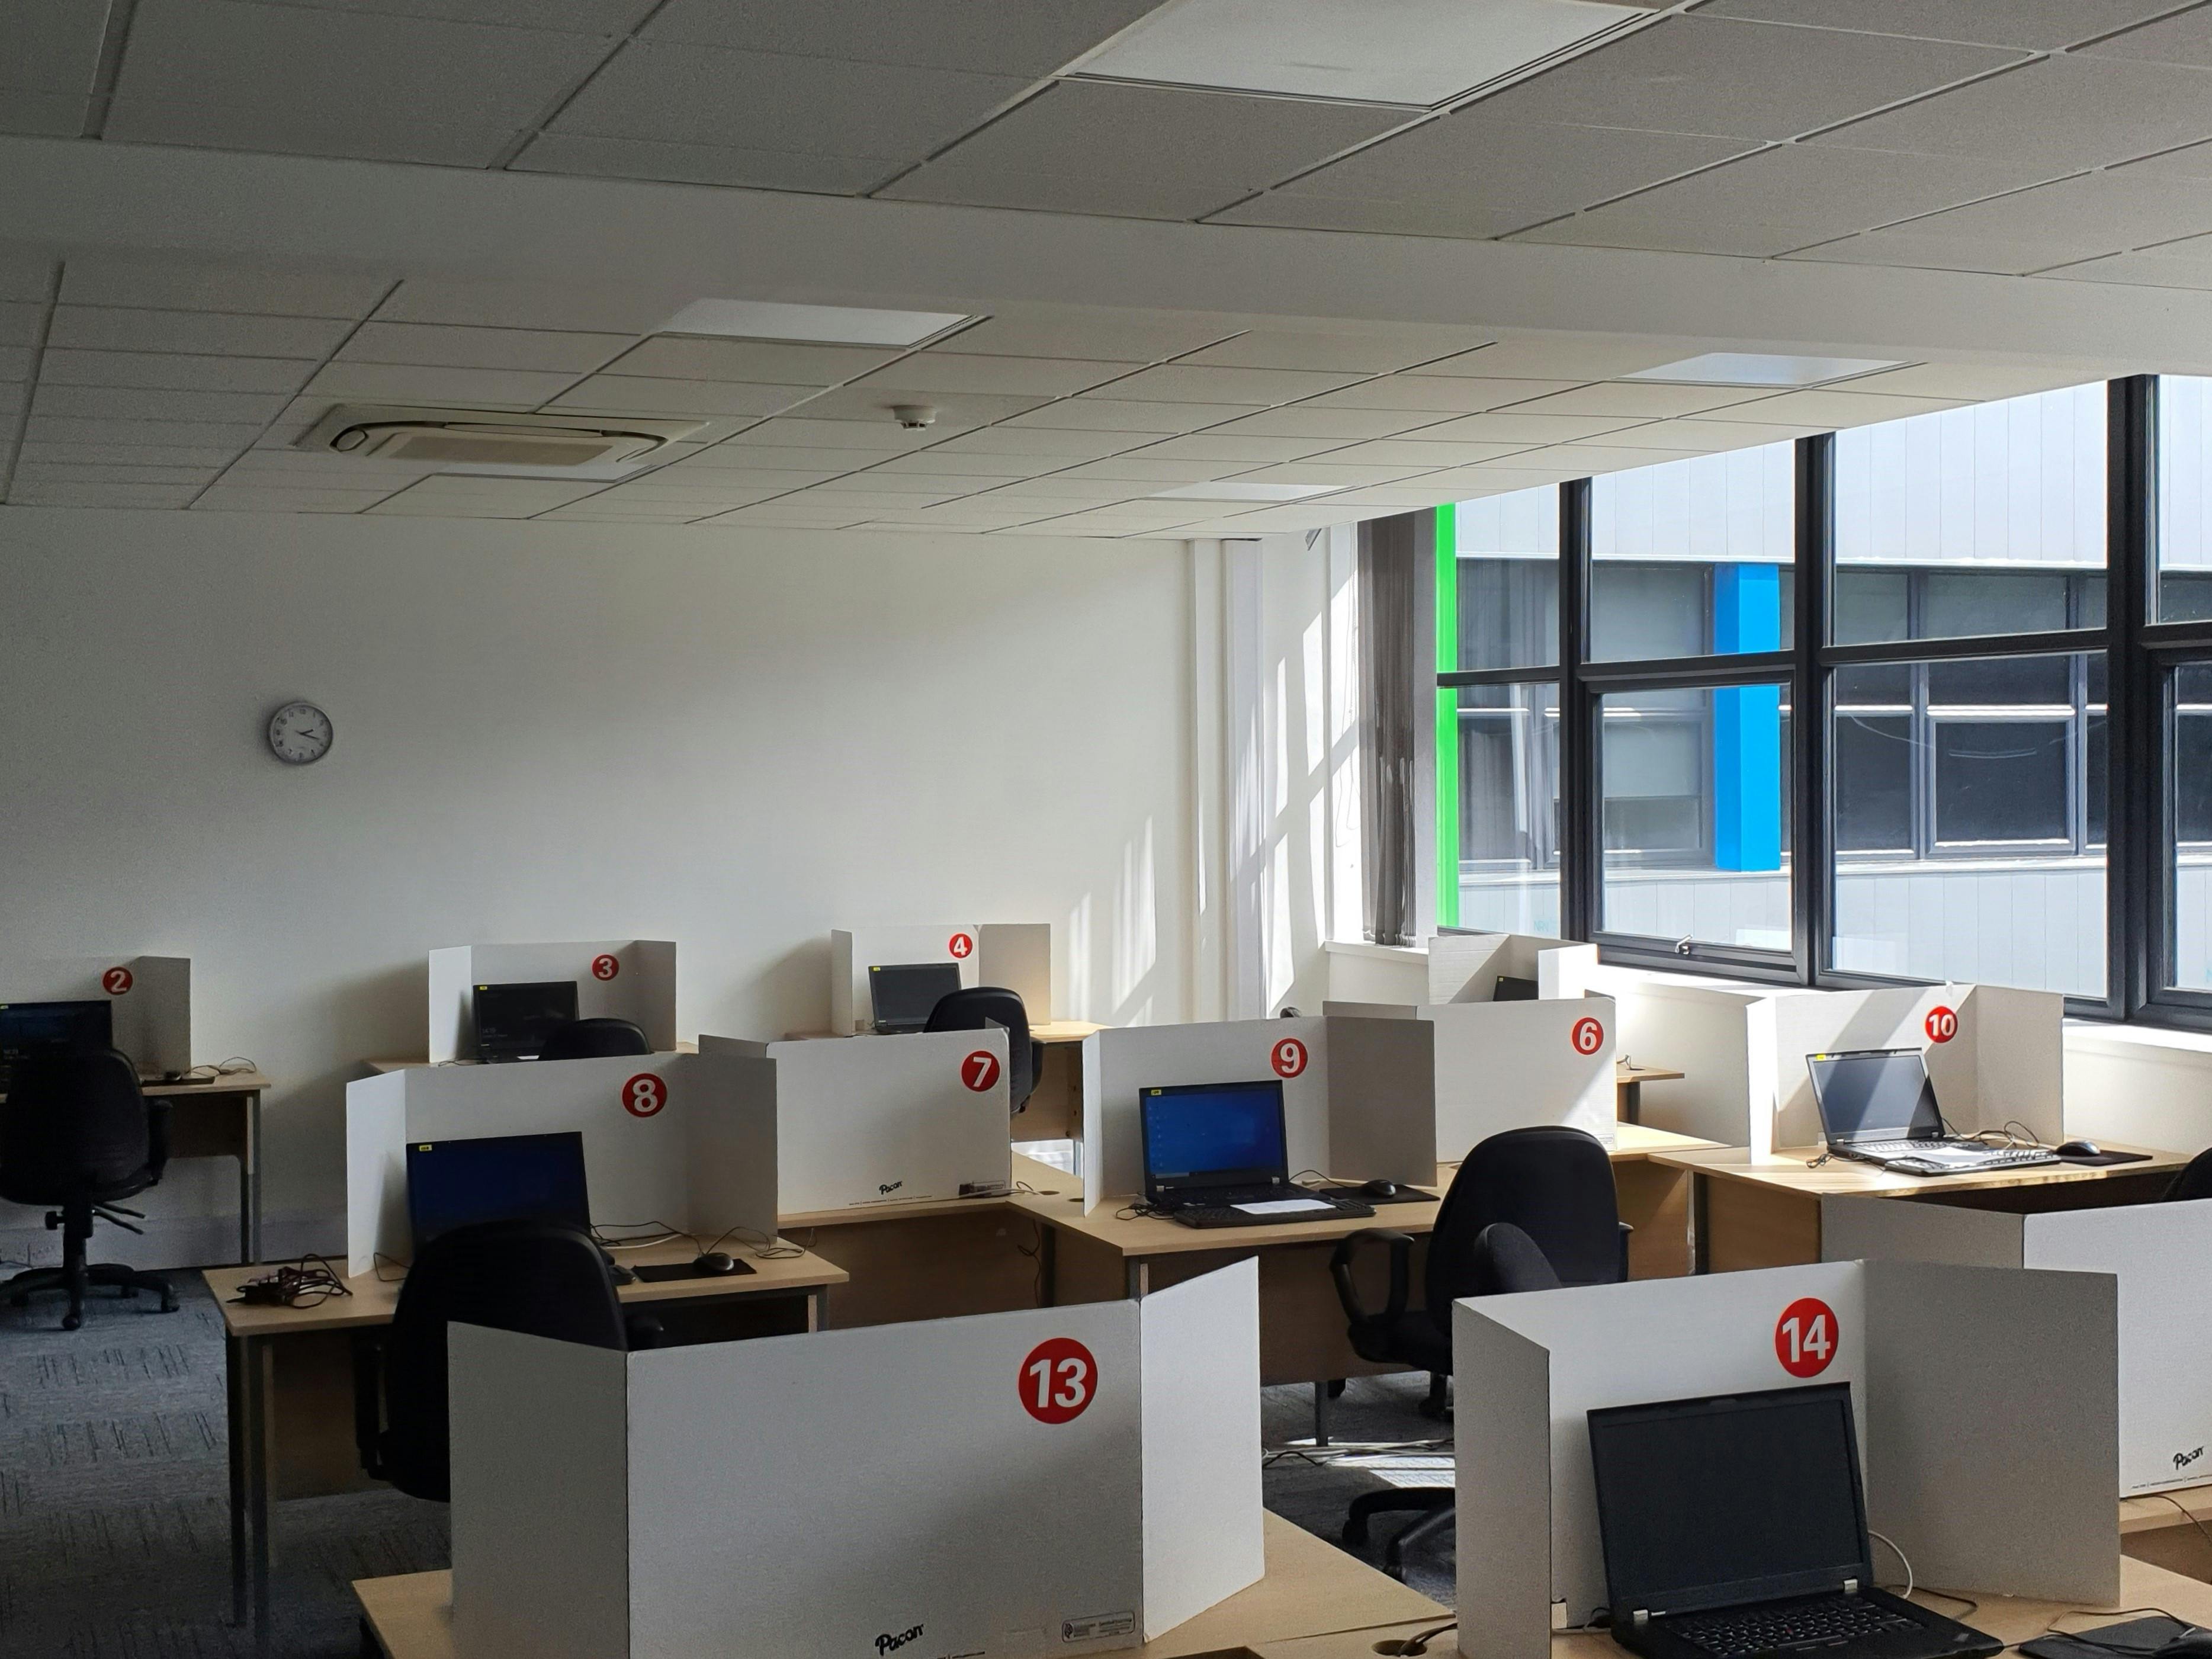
column 490, row 440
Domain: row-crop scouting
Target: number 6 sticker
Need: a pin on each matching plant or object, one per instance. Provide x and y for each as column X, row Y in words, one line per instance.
column 605, row 967
column 644, row 1095
column 1288, row 1057
column 1942, row 1024
column 116, row 981
column 1588, row 1036
column 1806, row 1336
column 1058, row 1380
column 979, row 1069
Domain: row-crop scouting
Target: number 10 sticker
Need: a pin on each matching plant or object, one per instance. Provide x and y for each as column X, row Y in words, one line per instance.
column 1058, row 1380
column 1942, row 1024
column 1806, row 1336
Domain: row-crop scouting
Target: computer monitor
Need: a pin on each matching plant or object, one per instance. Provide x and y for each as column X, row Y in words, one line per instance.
column 1510, row 989
column 905, row 993
column 514, row 1021
column 29, row 1027
column 1205, row 1136
column 1729, row 1499
column 454, row 1183
column 1876, row 1094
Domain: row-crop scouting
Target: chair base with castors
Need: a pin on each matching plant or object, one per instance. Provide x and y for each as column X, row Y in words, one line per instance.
column 76, row 1276
column 1432, row 1503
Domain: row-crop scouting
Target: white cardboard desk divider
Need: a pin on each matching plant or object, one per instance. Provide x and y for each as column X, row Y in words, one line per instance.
column 1017, row 955
column 929, row 1501
column 149, row 1001
column 2020, row 1504
column 886, row 1120
column 1720, row 1039
column 1465, row 967
column 702, row 1158
column 632, row 979
column 2160, row 1255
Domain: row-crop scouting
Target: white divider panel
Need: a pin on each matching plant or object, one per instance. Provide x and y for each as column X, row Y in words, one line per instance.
column 688, row 1139
column 632, row 979
column 916, row 1461
column 2020, row 1057
column 1504, row 1066
column 1720, row 1040
column 2159, row 1257
column 1117, row 1063
column 886, row 1120
column 1019, row 956
column 149, row 1001
column 1465, row 967
column 1541, row 1363
column 2135, row 1083
column 853, row 953
column 1382, row 1087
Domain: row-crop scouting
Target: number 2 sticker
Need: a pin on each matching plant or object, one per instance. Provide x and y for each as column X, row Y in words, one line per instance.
column 1805, row 1337
column 961, row 946
column 116, row 981
column 1942, row 1024
column 1288, row 1057
column 979, row 1069
column 605, row 967
column 644, row 1095
column 1588, row 1036
column 1058, row 1380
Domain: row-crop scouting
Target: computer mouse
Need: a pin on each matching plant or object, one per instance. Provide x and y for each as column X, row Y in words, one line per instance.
column 1381, row 1189
column 2195, row 1643
column 2090, row 1149
column 715, row 1261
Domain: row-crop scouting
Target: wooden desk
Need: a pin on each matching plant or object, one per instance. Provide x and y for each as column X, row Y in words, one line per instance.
column 221, row 1119
column 288, row 1375
column 1311, row 1589
column 1765, row 1210
column 2170, row 1530
column 1628, row 1081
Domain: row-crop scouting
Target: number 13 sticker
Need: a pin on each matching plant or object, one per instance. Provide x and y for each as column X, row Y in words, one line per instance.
column 1805, row 1337
column 1058, row 1380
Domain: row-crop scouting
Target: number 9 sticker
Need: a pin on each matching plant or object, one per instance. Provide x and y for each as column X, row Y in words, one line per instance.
column 644, row 1095
column 1806, row 1337
column 1058, row 1381
column 1288, row 1057
column 1941, row 1024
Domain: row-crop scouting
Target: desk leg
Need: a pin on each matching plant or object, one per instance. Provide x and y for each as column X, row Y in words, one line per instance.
column 1632, row 1101
column 247, row 1389
column 249, row 1184
column 818, row 1308
column 1135, row 1280
column 235, row 1361
column 1701, row 1225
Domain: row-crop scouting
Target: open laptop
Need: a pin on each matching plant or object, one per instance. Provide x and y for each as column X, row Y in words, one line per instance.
column 1216, row 1156
column 31, row 1028
column 904, row 994
column 1878, row 1106
column 1736, row 1525
column 515, row 1022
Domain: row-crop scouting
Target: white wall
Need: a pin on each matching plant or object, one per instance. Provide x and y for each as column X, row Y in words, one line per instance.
column 730, row 740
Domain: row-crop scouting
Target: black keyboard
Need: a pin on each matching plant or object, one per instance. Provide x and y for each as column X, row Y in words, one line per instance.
column 1823, row 1623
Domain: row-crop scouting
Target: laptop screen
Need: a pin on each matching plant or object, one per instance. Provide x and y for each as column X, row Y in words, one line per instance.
column 1510, row 988
column 1880, row 1094
column 515, row 1022
column 1730, row 1500
column 27, row 1028
column 905, row 993
column 1200, row 1135
column 454, row 1184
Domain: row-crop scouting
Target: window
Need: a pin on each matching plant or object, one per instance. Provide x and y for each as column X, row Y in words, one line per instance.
column 1692, row 558
column 1506, row 552
column 2183, row 589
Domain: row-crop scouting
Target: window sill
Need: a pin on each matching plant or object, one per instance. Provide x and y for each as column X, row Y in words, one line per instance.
column 1378, row 952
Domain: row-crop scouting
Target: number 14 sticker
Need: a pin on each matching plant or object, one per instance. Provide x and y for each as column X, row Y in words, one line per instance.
column 1806, row 1336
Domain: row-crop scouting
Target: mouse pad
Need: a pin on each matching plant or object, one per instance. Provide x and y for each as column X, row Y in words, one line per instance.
column 668, row 1270
column 2108, row 1641
column 2105, row 1159
column 1408, row 1195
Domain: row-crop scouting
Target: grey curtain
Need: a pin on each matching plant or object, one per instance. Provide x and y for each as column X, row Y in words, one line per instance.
column 1388, row 551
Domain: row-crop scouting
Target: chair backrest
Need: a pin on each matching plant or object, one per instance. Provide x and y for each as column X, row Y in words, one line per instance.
column 1554, row 1183
column 595, row 1039
column 540, row 1277
column 75, row 1124
column 972, row 1008
column 1507, row 1261
column 2195, row 1182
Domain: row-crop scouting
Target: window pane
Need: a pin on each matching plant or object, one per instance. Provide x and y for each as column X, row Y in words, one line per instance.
column 1688, row 556
column 1970, row 844
column 2183, row 592
column 1508, row 566
column 1697, row 838
column 1508, row 805
column 2189, row 769
column 1965, row 497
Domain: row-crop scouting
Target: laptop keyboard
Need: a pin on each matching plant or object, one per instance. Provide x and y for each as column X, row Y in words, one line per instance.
column 1828, row 1622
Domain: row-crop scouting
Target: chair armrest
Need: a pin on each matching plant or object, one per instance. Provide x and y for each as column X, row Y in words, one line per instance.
column 158, row 1111
column 643, row 1330
column 1626, row 1233
column 367, row 1403
column 1347, row 1292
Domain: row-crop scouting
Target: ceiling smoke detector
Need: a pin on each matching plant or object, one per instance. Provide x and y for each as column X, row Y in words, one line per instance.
column 914, row 417
column 484, row 439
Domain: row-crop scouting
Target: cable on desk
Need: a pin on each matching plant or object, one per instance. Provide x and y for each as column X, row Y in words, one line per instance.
column 768, row 1249
column 378, row 1262
column 1414, row 1646
column 2129, row 1649
column 1904, row 1559
column 307, row 1283
column 667, row 1235
column 2186, row 1513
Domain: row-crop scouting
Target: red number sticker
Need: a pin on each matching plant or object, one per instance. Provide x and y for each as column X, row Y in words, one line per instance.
column 1058, row 1380
column 1805, row 1337
column 605, row 967
column 1288, row 1057
column 116, row 981
column 644, row 1095
column 961, row 946
column 979, row 1069
column 1942, row 1024
column 1588, row 1036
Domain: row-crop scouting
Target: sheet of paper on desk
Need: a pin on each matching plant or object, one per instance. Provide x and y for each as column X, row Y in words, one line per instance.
column 1283, row 1206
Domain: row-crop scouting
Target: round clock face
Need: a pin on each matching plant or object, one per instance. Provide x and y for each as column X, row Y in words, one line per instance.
column 299, row 732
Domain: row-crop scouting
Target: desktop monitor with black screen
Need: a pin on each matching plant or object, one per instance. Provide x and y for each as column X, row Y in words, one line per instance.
column 29, row 1027
column 1203, row 1137
column 515, row 1022
column 904, row 994
column 455, row 1183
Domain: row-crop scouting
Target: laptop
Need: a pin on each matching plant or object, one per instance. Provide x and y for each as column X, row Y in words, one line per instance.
column 1512, row 988
column 905, row 993
column 1878, row 1106
column 1736, row 1525
column 515, row 1022
column 1216, row 1156
column 29, row 1027
column 458, row 1183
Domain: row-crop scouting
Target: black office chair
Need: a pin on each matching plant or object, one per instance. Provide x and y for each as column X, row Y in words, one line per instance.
column 976, row 1008
column 595, row 1039
column 2194, row 1181
column 540, row 1277
column 77, row 1132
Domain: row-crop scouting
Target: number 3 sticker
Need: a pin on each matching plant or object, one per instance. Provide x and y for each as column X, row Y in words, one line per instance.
column 979, row 1069
column 644, row 1095
column 1806, row 1336
column 605, row 967
column 1942, row 1024
column 1288, row 1057
column 116, row 981
column 1058, row 1380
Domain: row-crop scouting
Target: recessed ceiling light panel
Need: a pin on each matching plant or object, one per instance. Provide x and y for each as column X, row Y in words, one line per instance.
column 768, row 319
column 1760, row 368
column 1231, row 490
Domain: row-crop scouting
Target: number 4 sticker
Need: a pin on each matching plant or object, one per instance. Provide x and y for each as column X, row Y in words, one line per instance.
column 1806, row 1336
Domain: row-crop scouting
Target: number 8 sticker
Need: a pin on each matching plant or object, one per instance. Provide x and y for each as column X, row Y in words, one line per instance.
column 644, row 1095
column 1058, row 1381
column 1806, row 1337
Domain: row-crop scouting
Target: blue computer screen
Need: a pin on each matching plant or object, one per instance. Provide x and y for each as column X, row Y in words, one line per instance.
column 1229, row 1131
column 453, row 1183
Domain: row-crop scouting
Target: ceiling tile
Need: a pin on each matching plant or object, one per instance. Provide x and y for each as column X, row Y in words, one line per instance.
column 870, row 405
column 1093, row 333
column 229, row 498
column 1377, row 352
column 1059, row 487
column 1090, row 146
column 1645, row 399
column 447, row 347
column 50, row 46
column 691, row 94
column 20, row 324
column 138, row 404
column 416, row 383
column 1978, row 381
column 102, row 495
column 75, row 429
column 1329, row 470
column 1907, row 246
column 1715, row 434
column 2190, row 162
column 2060, row 113
column 2184, row 38
column 496, row 498
column 198, row 332
column 150, row 282
column 2141, row 271
column 2099, row 212
column 1137, row 470
column 177, row 371
column 966, row 472
column 1006, row 37
column 337, row 83
column 22, row 277
column 766, row 362
column 805, row 432
column 15, row 363
column 640, row 308
column 1606, row 457
column 2034, row 25
column 1511, row 427
column 1418, row 453
column 1837, row 407
column 935, row 371
column 1564, row 357
column 594, row 156
column 1174, row 383
column 1323, row 420
column 636, row 394
column 1094, row 413
column 1434, row 397
column 611, row 17
column 1056, row 444
column 1623, row 226
column 49, row 472
column 202, row 456
column 1247, row 447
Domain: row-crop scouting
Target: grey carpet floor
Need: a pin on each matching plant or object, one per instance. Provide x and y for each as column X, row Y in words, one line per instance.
column 114, row 1517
